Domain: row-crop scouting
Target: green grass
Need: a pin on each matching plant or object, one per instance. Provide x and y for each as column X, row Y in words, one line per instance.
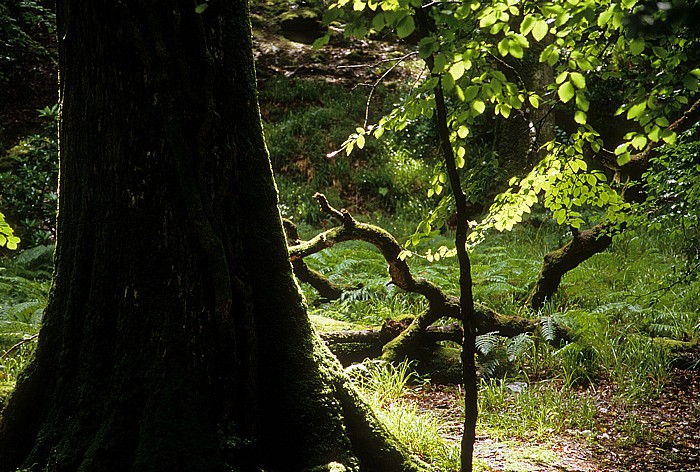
column 509, row 409
column 383, row 385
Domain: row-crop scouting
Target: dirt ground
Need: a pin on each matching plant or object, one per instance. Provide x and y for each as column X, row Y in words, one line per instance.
column 666, row 440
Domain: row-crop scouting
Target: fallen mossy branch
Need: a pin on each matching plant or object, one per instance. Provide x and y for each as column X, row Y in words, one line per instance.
column 420, row 331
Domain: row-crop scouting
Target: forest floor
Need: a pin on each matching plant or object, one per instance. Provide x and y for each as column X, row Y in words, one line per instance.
column 669, row 439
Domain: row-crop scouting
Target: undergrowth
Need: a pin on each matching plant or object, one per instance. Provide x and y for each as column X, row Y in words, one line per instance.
column 383, row 386
column 24, row 285
column 615, row 305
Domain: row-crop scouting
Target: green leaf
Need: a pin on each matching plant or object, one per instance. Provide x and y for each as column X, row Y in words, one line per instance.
column 578, row 80
column 581, row 101
column 636, row 110
column 661, row 121
column 580, row 117
column 379, row 21
column 690, row 82
column 540, row 30
column 322, row 41
column 534, row 101
column 623, row 158
column 527, row 24
column 504, row 109
column 668, row 136
column 201, row 7
column 503, row 47
column 566, row 91
column 457, row 70
column 448, row 82
column 561, row 77
column 637, row 46
column 478, row 106
column 459, row 92
column 440, row 63
column 405, row 27
column 488, row 19
column 604, row 17
column 639, row 141
column 516, row 50
column 471, row 92
column 584, row 64
column 426, row 47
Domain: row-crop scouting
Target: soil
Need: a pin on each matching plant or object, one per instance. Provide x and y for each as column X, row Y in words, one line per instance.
column 666, row 438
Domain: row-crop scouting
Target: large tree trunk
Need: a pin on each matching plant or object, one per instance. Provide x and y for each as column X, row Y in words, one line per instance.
column 175, row 337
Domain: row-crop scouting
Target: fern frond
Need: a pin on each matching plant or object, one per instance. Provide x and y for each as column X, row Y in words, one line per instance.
column 485, row 343
column 518, row 345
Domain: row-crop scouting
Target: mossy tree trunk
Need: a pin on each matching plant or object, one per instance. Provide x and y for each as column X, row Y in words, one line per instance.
column 584, row 245
column 175, row 337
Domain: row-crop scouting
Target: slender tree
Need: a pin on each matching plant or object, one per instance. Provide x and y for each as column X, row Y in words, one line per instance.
column 175, row 337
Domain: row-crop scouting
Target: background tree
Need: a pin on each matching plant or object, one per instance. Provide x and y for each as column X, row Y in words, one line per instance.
column 175, row 337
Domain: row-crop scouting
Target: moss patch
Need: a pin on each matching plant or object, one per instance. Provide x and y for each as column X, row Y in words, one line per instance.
column 6, row 389
column 324, row 325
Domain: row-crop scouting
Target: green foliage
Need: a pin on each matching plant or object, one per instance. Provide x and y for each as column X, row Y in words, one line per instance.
column 510, row 409
column 583, row 42
column 305, row 123
column 673, row 203
column 383, row 381
column 24, row 285
column 21, row 22
column 7, row 234
column 29, row 182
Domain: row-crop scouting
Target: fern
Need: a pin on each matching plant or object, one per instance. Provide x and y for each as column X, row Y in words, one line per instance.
column 486, row 343
column 38, row 258
column 29, row 312
column 518, row 345
column 548, row 328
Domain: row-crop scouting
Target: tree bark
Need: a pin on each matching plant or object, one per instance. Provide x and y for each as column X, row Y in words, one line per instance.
column 583, row 246
column 175, row 337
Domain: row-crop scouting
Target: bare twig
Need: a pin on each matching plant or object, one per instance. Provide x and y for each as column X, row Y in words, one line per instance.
column 19, row 344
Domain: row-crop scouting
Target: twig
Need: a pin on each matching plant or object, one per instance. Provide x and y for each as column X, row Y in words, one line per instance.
column 19, row 344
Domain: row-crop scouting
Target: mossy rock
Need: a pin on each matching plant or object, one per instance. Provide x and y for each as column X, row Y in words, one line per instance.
column 442, row 364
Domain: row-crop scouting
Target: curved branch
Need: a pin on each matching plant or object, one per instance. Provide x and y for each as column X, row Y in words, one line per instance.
column 440, row 304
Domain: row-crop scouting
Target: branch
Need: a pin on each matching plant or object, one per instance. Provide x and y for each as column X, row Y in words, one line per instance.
column 639, row 162
column 440, row 304
column 19, row 344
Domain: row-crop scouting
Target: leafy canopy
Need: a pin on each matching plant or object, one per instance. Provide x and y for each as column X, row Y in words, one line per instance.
column 467, row 46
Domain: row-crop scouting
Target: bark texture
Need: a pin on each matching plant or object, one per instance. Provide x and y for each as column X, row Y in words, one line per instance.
column 175, row 337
